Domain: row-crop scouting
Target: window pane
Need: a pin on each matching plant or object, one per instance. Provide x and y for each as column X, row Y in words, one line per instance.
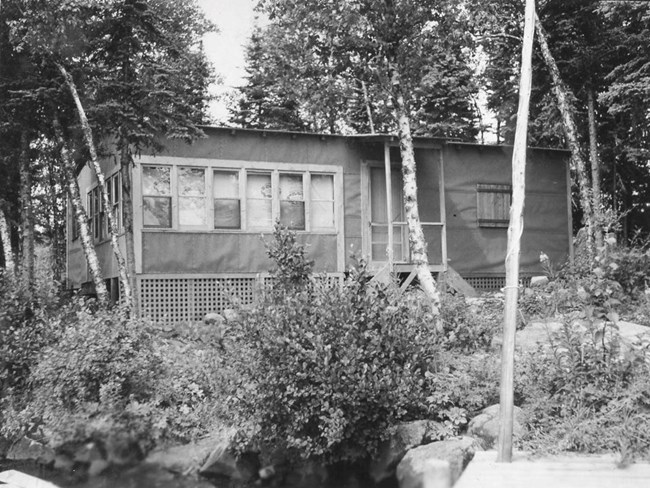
column 116, row 188
column 156, row 180
column 258, row 186
column 259, row 192
column 291, row 187
column 157, row 211
column 259, row 213
column 191, row 211
column 225, row 184
column 322, row 215
column 227, row 214
column 191, row 182
column 322, row 187
column 292, row 214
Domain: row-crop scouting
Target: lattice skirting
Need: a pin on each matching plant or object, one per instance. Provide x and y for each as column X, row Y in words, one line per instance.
column 176, row 299
column 493, row 283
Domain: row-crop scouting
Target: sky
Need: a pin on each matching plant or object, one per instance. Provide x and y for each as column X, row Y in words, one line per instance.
column 225, row 49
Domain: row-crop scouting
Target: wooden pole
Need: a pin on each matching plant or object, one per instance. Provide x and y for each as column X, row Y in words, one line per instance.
column 515, row 229
column 389, row 205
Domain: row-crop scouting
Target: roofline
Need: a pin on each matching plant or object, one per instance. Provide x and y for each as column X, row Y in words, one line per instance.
column 377, row 137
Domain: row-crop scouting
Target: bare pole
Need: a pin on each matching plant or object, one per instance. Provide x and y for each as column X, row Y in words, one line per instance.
column 515, row 229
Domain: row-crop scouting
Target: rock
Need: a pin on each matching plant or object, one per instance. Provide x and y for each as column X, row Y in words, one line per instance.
column 406, row 436
column 538, row 281
column 213, row 318
column 485, row 426
column 415, row 467
column 26, row 448
column 184, row 459
column 536, row 334
column 89, row 452
column 222, row 464
column 230, row 314
column 97, row 467
column 16, row 479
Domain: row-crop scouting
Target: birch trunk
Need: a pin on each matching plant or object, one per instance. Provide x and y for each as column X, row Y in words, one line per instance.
column 366, row 101
column 27, row 213
column 5, row 240
column 571, row 133
column 126, row 165
column 81, row 218
column 595, row 169
column 108, row 211
column 515, row 230
column 417, row 243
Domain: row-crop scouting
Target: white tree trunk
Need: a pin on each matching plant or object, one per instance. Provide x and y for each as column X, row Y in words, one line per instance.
column 108, row 210
column 5, row 239
column 561, row 95
column 417, row 243
column 81, row 218
column 515, row 230
column 595, row 169
column 126, row 165
column 27, row 213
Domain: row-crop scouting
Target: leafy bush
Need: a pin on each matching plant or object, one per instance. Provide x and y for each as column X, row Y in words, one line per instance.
column 325, row 372
column 469, row 328
column 115, row 380
column 585, row 395
column 24, row 330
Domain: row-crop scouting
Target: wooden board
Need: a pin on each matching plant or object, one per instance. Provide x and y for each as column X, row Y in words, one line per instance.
column 565, row 471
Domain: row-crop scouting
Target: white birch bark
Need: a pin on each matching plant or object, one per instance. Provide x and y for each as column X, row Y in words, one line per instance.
column 417, row 243
column 5, row 239
column 108, row 211
column 81, row 219
column 126, row 165
column 27, row 213
column 571, row 133
column 594, row 160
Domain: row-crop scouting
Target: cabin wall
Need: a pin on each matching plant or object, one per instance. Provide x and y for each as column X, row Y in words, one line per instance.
column 77, row 268
column 475, row 250
column 174, row 251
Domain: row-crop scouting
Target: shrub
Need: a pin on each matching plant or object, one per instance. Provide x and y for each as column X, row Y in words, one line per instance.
column 584, row 395
column 469, row 328
column 325, row 372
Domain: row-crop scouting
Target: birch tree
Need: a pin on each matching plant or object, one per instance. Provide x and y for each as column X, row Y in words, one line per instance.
column 5, row 241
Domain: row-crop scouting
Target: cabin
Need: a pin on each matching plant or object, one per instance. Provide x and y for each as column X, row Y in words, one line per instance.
column 203, row 210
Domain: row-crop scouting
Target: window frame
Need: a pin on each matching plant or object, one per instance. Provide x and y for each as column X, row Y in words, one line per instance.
column 170, row 196
column 244, row 169
column 499, row 191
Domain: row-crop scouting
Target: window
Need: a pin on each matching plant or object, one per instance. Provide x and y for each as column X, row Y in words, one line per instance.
column 192, row 208
column 189, row 198
column 96, row 223
column 292, row 201
column 493, row 205
column 259, row 200
column 114, row 190
column 156, row 196
column 227, row 204
column 321, row 191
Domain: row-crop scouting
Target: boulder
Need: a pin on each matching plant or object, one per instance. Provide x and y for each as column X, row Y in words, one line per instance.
column 184, row 459
column 223, row 465
column 485, row 426
column 416, row 469
column 26, row 448
column 538, row 281
column 406, row 436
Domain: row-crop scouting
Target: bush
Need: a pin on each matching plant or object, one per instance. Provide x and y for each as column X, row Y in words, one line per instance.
column 117, row 381
column 325, row 372
column 584, row 395
column 469, row 328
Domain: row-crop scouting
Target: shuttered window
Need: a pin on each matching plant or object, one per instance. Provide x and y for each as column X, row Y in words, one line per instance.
column 493, row 205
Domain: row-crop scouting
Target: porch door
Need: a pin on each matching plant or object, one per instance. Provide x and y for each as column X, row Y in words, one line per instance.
column 379, row 218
